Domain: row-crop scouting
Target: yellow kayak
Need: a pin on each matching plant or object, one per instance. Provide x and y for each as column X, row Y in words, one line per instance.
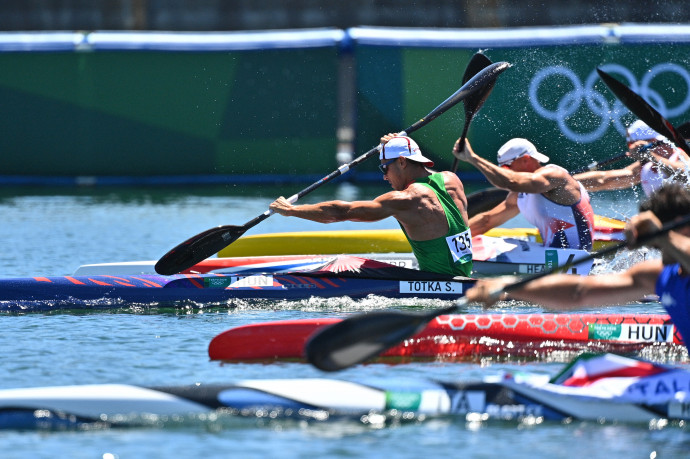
column 607, row 231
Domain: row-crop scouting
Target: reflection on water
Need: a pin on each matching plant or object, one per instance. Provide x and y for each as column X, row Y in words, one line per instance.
column 53, row 231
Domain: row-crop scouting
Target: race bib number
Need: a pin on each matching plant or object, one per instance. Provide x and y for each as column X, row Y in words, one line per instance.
column 460, row 246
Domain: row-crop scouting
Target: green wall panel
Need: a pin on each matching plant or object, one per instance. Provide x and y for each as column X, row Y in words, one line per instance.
column 168, row 113
column 551, row 95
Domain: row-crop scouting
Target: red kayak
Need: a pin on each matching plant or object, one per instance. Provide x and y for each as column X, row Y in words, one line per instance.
column 468, row 336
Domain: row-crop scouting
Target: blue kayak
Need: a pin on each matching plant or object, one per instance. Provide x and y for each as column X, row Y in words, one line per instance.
column 343, row 276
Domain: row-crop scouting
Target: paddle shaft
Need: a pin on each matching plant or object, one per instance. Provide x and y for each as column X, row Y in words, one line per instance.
column 474, row 102
column 597, row 164
column 360, row 337
column 485, row 77
column 641, row 240
column 463, row 138
column 208, row 243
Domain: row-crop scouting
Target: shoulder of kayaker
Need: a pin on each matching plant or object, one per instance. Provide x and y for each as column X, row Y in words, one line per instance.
column 455, row 188
column 543, row 180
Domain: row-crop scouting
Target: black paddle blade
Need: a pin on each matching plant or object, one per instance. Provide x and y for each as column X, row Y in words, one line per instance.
column 198, row 248
column 644, row 111
column 483, row 200
column 684, row 129
column 486, row 76
column 477, row 62
column 360, row 337
column 474, row 101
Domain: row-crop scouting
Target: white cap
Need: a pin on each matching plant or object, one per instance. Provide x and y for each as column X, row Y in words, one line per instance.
column 514, row 148
column 406, row 147
column 640, row 131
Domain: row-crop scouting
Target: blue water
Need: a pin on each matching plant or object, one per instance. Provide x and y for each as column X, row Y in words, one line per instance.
column 53, row 231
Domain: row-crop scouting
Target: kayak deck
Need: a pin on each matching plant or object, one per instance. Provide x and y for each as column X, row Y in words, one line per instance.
column 468, row 337
column 491, row 256
column 339, row 277
column 607, row 231
column 598, row 388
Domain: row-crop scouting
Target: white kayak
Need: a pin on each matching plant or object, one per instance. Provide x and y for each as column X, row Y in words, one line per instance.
column 604, row 388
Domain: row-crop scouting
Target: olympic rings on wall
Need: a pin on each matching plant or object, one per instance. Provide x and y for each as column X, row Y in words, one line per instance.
column 595, row 102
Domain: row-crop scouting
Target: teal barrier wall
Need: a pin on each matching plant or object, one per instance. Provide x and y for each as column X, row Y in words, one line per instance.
column 267, row 106
column 116, row 104
column 551, row 94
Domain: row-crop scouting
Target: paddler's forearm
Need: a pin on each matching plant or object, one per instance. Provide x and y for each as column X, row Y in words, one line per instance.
column 564, row 292
column 558, row 292
column 497, row 176
column 325, row 212
column 606, row 180
column 671, row 168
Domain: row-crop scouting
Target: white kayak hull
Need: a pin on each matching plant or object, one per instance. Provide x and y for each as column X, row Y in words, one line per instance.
column 317, row 399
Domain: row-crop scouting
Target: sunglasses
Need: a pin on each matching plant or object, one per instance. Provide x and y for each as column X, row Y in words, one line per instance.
column 384, row 167
column 650, row 146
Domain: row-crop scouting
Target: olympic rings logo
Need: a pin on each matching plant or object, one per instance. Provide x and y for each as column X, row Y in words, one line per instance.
column 572, row 101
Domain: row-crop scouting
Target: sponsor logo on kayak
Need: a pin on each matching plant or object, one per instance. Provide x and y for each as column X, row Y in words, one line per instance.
column 550, row 259
column 651, row 333
column 441, row 287
column 238, row 281
column 403, row 401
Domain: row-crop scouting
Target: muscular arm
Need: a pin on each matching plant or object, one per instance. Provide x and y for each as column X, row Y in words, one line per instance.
column 616, row 179
column 541, row 181
column 384, row 206
column 537, row 182
column 333, row 211
column 668, row 166
column 659, row 155
column 564, row 292
column 483, row 222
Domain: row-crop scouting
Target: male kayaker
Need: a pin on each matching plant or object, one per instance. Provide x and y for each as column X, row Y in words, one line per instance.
column 546, row 195
column 657, row 160
column 430, row 207
column 668, row 277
